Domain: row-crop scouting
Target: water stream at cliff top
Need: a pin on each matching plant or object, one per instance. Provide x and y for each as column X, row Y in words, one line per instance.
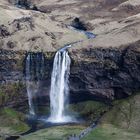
column 59, row 92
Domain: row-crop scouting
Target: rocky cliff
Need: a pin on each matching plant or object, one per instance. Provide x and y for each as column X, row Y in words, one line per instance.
column 105, row 73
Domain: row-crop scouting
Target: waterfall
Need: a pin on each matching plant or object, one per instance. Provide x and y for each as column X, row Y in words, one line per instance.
column 34, row 74
column 59, row 91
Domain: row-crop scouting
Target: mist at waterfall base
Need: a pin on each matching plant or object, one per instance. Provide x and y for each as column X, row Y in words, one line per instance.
column 59, row 90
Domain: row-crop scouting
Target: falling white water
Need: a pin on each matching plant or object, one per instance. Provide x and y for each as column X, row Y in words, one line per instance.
column 59, row 92
column 29, row 84
column 34, row 73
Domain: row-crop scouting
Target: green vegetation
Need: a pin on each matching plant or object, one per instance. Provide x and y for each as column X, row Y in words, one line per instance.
column 49, row 55
column 125, row 114
column 3, row 98
column 43, row 110
column 121, row 122
column 14, row 89
column 110, row 132
column 90, row 110
column 12, row 122
column 54, row 133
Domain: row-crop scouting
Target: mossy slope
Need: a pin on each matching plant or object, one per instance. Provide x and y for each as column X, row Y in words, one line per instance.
column 11, row 122
column 54, row 133
column 89, row 110
column 110, row 132
column 121, row 122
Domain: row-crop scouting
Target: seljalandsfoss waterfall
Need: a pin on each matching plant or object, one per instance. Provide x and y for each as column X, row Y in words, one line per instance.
column 59, row 93
column 59, row 89
column 34, row 74
column 69, row 70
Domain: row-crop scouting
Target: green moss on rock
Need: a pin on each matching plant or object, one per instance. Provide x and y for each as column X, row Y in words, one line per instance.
column 110, row 132
column 120, row 123
column 125, row 114
column 43, row 110
column 3, row 98
column 11, row 92
column 49, row 55
column 90, row 110
column 12, row 122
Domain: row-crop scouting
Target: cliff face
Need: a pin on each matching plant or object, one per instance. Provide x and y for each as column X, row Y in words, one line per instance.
column 13, row 77
column 105, row 73
column 12, row 88
column 11, row 66
column 97, row 73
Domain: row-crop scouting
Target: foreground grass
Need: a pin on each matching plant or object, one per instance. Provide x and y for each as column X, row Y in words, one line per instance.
column 54, row 133
column 11, row 122
column 102, row 132
column 119, row 123
column 89, row 110
column 122, row 122
column 110, row 132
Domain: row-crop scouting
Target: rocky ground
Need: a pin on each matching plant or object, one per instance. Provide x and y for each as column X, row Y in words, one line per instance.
column 105, row 68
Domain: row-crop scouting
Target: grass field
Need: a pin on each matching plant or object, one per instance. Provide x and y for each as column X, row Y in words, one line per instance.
column 54, row 133
column 110, row 132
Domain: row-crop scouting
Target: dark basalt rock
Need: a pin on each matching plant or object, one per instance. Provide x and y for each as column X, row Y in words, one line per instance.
column 11, row 68
column 24, row 4
column 76, row 23
column 105, row 73
column 4, row 31
column 11, row 44
column 35, row 8
column 13, row 138
column 22, row 23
